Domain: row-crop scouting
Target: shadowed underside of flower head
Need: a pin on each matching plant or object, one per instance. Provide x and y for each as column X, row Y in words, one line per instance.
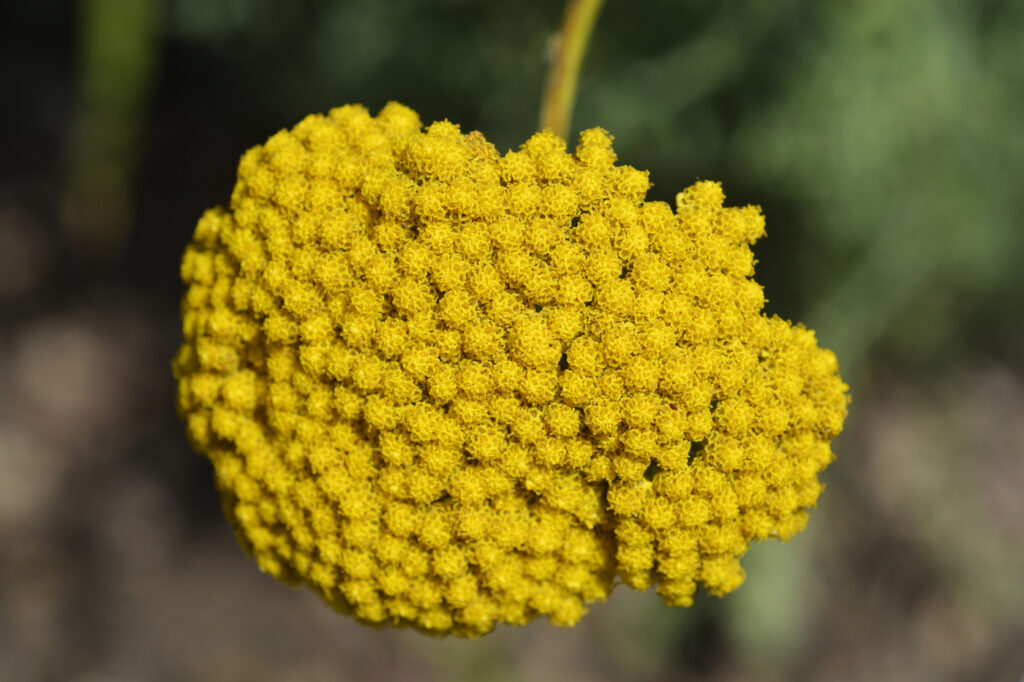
column 450, row 388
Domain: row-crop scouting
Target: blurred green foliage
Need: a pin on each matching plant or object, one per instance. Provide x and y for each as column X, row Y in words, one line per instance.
column 116, row 50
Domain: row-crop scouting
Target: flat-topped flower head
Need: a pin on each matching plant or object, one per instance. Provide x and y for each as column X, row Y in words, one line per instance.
column 450, row 388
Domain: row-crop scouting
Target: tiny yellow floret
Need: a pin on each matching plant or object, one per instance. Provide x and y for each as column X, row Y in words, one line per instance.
column 450, row 389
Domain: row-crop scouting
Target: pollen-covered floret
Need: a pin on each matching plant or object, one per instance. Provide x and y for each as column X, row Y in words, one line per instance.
column 449, row 388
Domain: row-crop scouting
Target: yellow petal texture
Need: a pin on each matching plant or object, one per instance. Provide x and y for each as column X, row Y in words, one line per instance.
column 450, row 389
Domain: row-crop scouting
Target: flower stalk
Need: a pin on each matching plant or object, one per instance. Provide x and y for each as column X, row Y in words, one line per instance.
column 568, row 48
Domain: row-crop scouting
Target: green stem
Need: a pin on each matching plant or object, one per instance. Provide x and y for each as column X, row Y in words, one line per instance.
column 570, row 47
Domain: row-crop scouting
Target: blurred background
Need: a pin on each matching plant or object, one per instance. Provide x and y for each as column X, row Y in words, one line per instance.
column 884, row 140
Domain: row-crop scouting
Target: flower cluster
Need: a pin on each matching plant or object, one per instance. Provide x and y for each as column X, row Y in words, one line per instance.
column 450, row 388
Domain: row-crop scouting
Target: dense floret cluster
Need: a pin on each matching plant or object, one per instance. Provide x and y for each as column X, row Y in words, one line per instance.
column 449, row 388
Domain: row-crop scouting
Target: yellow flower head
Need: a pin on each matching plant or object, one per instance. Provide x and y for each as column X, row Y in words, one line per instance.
column 449, row 388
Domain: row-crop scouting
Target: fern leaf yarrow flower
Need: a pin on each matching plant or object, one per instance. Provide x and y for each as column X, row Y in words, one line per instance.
column 450, row 388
